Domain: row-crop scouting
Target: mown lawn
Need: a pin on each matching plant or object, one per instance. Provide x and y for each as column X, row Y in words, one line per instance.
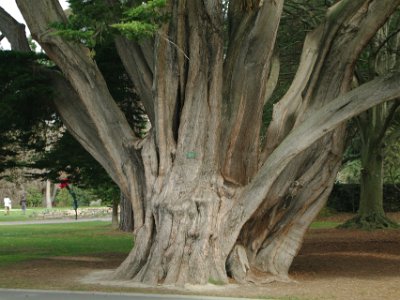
column 30, row 214
column 27, row 242
column 324, row 224
column 40, row 213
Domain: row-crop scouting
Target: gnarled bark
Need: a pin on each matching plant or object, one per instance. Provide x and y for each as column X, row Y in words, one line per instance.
column 202, row 194
column 247, row 67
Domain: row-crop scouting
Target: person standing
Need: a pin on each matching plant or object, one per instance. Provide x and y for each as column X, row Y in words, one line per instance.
column 23, row 203
column 7, row 205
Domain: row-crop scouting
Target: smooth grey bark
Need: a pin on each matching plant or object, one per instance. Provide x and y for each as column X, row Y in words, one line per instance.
column 198, row 180
column 14, row 32
column 138, row 62
column 49, row 198
column 301, row 190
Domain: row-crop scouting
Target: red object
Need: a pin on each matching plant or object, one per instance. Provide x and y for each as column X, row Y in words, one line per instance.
column 64, row 183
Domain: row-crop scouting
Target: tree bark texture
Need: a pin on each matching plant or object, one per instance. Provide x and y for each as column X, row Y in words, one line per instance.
column 208, row 201
column 371, row 195
column 114, row 214
column 126, row 215
column 373, row 126
column 13, row 31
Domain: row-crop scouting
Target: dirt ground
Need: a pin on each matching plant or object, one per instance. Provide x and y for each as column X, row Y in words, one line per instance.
column 332, row 264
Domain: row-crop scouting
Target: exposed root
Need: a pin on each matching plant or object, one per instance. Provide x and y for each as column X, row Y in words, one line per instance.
column 370, row 222
column 239, row 269
column 257, row 277
column 238, row 264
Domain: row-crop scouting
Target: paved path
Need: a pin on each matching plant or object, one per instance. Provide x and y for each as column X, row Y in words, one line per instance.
column 11, row 294
column 54, row 221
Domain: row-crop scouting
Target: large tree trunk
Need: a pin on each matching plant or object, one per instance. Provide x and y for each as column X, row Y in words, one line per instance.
column 373, row 126
column 371, row 194
column 114, row 214
column 203, row 195
column 49, row 199
column 126, row 215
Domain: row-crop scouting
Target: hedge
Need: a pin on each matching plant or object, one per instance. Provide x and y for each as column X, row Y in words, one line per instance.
column 345, row 198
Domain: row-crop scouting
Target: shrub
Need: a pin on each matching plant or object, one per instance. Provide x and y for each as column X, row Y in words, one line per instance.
column 34, row 197
column 345, row 198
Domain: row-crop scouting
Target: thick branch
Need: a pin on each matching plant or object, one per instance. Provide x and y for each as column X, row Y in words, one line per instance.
column 246, row 70
column 394, row 134
column 138, row 62
column 327, row 63
column 78, row 122
column 108, row 121
column 323, row 121
column 388, row 116
column 13, row 31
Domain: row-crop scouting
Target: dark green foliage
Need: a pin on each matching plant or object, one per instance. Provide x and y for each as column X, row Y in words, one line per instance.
column 345, row 198
column 23, row 91
column 24, row 103
column 28, row 103
column 34, row 197
column 89, row 22
column 143, row 20
column 93, row 21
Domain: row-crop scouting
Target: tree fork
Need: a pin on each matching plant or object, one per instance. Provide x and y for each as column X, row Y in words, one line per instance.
column 184, row 197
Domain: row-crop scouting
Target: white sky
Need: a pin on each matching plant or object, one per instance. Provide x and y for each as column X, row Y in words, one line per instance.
column 11, row 7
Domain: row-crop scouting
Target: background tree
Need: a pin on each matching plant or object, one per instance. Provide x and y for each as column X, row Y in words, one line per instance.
column 205, row 194
column 392, row 154
column 373, row 126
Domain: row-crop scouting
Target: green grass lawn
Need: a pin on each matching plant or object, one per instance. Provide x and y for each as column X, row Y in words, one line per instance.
column 40, row 213
column 30, row 214
column 324, row 225
column 26, row 242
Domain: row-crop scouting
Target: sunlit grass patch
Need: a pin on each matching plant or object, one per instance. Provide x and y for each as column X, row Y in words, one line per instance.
column 26, row 242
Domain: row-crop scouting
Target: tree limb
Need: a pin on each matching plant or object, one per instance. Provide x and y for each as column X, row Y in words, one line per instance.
column 247, row 69
column 324, row 120
column 388, row 120
column 13, row 31
column 108, row 122
column 138, row 62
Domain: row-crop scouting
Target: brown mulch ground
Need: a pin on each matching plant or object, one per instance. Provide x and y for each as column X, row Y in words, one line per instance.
column 332, row 264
